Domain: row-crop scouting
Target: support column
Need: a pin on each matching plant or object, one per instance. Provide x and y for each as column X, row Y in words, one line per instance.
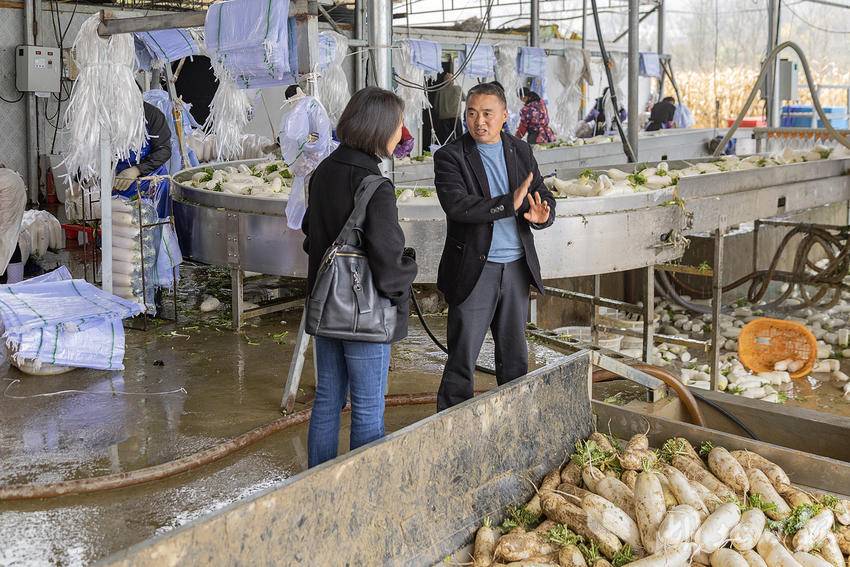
column 648, row 313
column 634, row 69
column 582, row 108
column 31, row 35
column 380, row 14
column 534, row 28
column 359, row 33
column 716, row 305
column 660, row 47
column 770, row 91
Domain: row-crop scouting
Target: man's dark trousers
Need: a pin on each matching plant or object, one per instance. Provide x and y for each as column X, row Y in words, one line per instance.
column 499, row 301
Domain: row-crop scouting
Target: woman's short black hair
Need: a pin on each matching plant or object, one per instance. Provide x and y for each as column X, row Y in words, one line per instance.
column 530, row 94
column 488, row 89
column 369, row 120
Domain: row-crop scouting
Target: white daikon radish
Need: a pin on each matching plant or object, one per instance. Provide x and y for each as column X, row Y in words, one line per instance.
column 649, row 507
column 753, row 558
column 751, row 460
column 773, row 552
column 809, row 560
column 678, row 526
column 683, row 491
column 727, row 469
column 814, row 531
column 674, row 556
column 714, row 531
column 760, row 485
column 728, row 558
column 613, row 518
column 831, row 551
column 842, row 512
column 748, row 531
column 209, row 303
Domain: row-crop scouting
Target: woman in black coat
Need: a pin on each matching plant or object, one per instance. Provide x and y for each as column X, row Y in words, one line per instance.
column 369, row 129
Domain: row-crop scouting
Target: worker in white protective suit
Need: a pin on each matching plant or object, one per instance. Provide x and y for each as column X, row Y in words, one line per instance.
column 13, row 201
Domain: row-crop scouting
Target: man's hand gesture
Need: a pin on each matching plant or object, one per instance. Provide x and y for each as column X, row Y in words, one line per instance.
column 538, row 212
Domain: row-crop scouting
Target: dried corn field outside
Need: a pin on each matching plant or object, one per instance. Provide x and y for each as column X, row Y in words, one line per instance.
column 732, row 86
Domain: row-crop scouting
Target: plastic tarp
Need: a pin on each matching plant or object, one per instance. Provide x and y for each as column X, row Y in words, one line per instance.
column 165, row 46
column 506, row 74
column 415, row 99
column 650, row 65
column 305, row 140
column 682, row 117
column 13, row 201
column 566, row 107
column 426, row 55
column 254, row 40
column 65, row 322
column 161, row 99
column 482, row 62
column 333, row 88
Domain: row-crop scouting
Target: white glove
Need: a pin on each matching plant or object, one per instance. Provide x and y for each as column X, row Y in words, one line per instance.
column 125, row 179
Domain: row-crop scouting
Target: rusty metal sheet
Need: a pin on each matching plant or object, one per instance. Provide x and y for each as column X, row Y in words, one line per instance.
column 411, row 498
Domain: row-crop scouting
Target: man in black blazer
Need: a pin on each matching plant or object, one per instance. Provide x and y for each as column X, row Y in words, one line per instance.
column 493, row 194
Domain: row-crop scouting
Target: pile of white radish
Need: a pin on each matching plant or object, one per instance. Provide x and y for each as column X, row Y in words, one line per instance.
column 576, row 142
column 205, row 146
column 266, row 179
column 406, row 194
column 614, row 181
column 615, row 504
column 829, row 327
column 40, row 232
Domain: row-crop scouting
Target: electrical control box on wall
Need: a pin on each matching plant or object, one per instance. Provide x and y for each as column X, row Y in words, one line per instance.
column 37, row 69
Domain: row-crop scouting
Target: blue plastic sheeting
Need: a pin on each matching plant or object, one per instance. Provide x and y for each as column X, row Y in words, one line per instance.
column 650, row 65
column 254, row 40
column 57, row 320
column 327, row 50
column 426, row 55
column 161, row 99
column 167, row 45
column 482, row 62
column 532, row 62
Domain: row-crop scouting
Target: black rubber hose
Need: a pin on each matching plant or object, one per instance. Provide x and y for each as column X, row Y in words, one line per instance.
column 433, row 337
column 726, row 413
column 627, row 147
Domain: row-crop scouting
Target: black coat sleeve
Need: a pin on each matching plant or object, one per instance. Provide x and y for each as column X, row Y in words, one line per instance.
column 458, row 204
column 537, row 186
column 392, row 272
column 160, row 139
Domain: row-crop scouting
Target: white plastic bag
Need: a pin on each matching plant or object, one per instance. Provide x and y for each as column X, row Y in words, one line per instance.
column 682, row 117
column 305, row 140
column 13, row 201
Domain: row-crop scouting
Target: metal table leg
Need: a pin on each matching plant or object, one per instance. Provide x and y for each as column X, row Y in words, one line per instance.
column 236, row 299
column 648, row 312
column 716, row 304
column 293, row 379
column 594, row 310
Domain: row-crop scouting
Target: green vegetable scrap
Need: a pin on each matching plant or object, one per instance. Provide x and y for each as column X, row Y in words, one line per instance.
column 706, row 448
column 796, row 520
column 519, row 517
column 563, row 536
column 624, row 556
column 756, row 501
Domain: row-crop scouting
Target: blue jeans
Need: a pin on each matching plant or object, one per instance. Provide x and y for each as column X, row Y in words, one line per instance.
column 343, row 366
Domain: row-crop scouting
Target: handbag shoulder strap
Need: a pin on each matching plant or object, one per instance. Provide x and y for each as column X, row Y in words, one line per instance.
column 362, row 196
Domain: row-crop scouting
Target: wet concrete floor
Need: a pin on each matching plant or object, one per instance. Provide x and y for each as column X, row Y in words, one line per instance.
column 231, row 383
column 128, row 420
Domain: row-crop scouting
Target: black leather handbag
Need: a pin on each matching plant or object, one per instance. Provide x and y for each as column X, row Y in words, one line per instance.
column 344, row 303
